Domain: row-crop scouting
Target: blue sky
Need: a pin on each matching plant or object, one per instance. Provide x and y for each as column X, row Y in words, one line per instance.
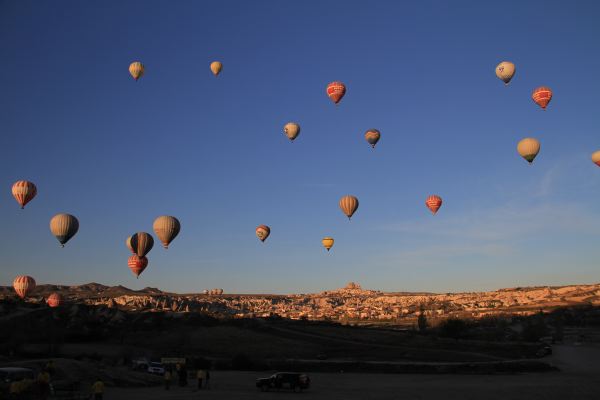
column 211, row 151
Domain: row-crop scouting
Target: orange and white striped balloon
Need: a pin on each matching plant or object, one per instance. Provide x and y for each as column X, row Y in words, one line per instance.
column 335, row 91
column 348, row 205
column 542, row 96
column 596, row 157
column 263, row 232
column 23, row 285
column 142, row 243
column 433, row 202
column 136, row 69
column 54, row 300
column 23, row 192
column 137, row 264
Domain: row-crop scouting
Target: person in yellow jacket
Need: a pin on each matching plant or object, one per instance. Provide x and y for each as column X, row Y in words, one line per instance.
column 98, row 389
column 43, row 381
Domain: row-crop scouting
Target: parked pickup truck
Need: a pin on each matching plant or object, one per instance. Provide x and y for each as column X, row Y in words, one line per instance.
column 280, row 380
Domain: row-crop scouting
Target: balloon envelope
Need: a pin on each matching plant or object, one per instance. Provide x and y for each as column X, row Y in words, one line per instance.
column 372, row 136
column 335, row 91
column 596, row 157
column 542, row 96
column 54, row 300
column 23, row 192
column 433, row 202
column 142, row 243
column 291, row 130
column 327, row 242
column 24, row 285
column 64, row 227
column 505, row 71
column 166, row 228
column 216, row 67
column 263, row 232
column 349, row 205
column 136, row 69
column 528, row 148
column 128, row 244
column 137, row 264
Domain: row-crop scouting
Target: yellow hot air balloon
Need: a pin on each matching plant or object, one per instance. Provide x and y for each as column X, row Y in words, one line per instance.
column 291, row 130
column 596, row 158
column 349, row 205
column 166, row 229
column 327, row 242
column 136, row 69
column 505, row 71
column 528, row 148
column 216, row 67
column 64, row 227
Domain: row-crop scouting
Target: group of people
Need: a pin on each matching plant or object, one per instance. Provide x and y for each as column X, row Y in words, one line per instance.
column 202, row 376
column 40, row 386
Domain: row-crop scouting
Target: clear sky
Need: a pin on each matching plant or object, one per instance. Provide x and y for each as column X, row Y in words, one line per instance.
column 211, row 151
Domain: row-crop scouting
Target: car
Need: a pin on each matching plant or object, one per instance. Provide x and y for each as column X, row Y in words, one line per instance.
column 14, row 374
column 156, row 368
column 280, row 380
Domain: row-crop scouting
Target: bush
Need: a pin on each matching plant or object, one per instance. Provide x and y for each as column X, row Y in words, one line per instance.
column 453, row 328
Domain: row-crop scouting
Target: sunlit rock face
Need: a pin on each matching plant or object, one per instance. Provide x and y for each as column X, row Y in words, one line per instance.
column 349, row 302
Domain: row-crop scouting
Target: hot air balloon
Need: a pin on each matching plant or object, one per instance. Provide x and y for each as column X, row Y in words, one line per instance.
column 142, row 243
column 335, row 91
column 64, row 227
column 136, row 69
column 291, row 130
column 137, row 264
column 372, row 137
column 216, row 67
column 542, row 96
column 23, row 192
column 596, row 157
column 349, row 205
column 54, row 300
column 528, row 148
column 23, row 285
column 263, row 232
column 166, row 229
column 505, row 71
column 434, row 203
column 128, row 244
column 327, row 242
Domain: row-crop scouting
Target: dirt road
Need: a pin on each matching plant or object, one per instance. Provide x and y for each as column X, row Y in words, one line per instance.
column 579, row 380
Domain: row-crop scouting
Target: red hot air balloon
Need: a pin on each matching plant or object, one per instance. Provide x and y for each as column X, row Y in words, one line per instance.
column 263, row 232
column 137, row 265
column 542, row 96
column 23, row 285
column 335, row 91
column 23, row 192
column 434, row 203
column 54, row 300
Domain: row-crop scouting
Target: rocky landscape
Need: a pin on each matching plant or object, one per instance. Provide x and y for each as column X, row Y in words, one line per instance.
column 351, row 303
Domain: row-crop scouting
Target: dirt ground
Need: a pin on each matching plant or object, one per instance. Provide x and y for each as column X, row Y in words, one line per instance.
column 579, row 379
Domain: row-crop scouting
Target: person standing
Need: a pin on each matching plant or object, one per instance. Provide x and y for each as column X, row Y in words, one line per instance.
column 98, row 389
column 207, row 384
column 168, row 379
column 200, row 376
column 43, row 382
